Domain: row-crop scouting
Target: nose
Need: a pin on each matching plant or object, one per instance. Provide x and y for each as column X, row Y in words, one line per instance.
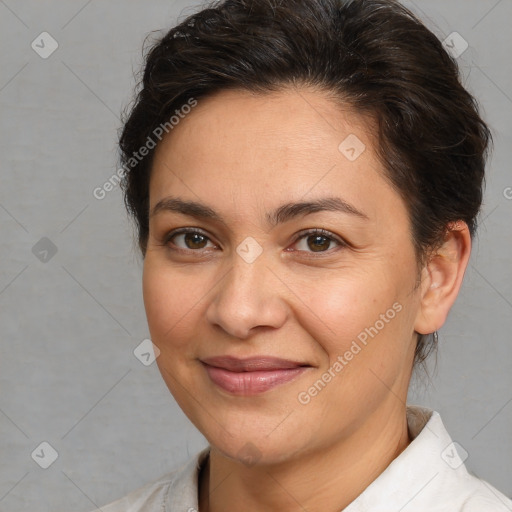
column 249, row 296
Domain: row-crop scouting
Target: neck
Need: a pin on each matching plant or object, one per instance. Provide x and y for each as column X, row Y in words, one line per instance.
column 326, row 480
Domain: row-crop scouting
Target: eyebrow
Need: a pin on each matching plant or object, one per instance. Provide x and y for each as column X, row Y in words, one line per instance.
column 280, row 215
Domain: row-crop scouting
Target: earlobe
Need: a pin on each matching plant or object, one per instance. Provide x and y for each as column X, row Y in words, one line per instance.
column 442, row 278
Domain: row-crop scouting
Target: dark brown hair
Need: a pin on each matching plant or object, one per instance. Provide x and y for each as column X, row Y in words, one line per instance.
column 373, row 55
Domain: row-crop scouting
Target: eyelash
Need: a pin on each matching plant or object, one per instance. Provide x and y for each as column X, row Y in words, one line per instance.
column 302, row 234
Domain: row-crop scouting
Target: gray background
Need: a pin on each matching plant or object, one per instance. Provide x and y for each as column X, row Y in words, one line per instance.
column 69, row 325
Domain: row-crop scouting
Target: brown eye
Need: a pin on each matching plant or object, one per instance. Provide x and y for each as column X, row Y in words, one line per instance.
column 194, row 240
column 187, row 239
column 317, row 241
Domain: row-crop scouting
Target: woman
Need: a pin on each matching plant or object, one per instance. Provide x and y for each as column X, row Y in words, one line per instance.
column 305, row 178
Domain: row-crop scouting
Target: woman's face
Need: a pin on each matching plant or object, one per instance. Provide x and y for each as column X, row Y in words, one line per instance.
column 250, row 280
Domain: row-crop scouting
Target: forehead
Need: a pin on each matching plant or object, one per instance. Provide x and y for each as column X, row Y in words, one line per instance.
column 303, row 118
column 241, row 149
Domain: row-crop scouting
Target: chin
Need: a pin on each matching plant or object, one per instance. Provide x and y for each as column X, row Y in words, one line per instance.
column 256, row 449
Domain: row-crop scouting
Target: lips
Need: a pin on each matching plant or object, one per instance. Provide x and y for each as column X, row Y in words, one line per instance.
column 251, row 364
column 253, row 375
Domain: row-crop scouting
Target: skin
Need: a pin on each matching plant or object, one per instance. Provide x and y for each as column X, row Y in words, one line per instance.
column 244, row 155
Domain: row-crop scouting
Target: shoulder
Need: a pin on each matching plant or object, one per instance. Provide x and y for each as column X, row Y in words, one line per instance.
column 175, row 491
column 430, row 474
column 482, row 496
column 149, row 498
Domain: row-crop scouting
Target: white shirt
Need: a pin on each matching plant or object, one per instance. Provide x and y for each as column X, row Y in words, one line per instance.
column 429, row 475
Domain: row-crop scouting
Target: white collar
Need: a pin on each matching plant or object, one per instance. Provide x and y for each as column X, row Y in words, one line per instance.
column 428, row 475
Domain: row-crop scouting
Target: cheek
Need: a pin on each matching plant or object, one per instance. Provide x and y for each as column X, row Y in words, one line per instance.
column 346, row 305
column 362, row 318
column 170, row 300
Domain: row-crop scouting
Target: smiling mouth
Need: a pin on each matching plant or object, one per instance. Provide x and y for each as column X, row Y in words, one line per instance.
column 253, row 375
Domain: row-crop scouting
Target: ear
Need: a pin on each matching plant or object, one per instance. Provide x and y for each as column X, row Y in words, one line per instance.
column 441, row 278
